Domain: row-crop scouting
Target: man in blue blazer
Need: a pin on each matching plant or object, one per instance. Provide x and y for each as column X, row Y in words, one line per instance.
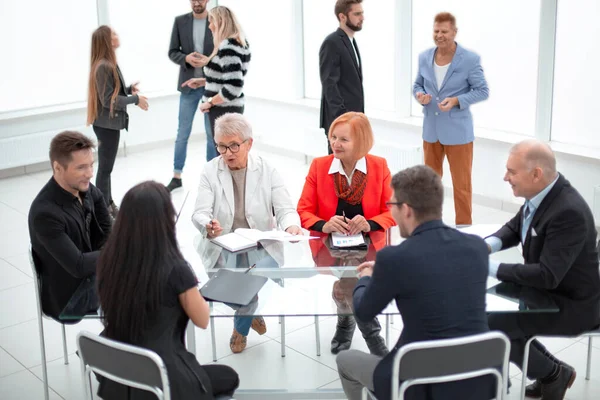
column 437, row 277
column 449, row 80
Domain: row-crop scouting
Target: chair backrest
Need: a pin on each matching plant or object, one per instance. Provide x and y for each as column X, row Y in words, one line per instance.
column 123, row 363
column 447, row 360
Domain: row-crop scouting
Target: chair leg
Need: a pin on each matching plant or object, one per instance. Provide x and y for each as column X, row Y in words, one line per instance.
column 525, row 365
column 89, row 388
column 589, row 359
column 65, row 352
column 43, row 353
column 282, row 321
column 318, row 335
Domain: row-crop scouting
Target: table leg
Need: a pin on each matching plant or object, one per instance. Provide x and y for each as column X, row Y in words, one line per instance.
column 387, row 330
column 318, row 335
column 191, row 337
column 282, row 321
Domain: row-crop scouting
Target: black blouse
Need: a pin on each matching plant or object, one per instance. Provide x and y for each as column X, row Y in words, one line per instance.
column 350, row 211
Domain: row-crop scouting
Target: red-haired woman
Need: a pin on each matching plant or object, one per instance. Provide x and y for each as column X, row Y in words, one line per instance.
column 108, row 97
column 346, row 192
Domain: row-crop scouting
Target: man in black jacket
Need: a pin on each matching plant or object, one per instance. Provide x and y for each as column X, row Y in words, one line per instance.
column 340, row 66
column 68, row 223
column 191, row 44
column 437, row 277
column 556, row 228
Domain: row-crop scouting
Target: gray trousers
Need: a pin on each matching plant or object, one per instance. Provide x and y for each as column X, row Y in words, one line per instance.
column 356, row 371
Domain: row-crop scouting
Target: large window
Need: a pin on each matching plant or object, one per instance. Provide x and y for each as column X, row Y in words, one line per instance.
column 144, row 28
column 375, row 43
column 505, row 34
column 576, row 78
column 269, row 27
column 46, row 54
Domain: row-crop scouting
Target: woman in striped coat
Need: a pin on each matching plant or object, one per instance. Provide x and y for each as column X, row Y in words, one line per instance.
column 225, row 72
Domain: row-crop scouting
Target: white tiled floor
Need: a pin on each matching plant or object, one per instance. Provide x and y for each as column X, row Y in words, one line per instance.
column 20, row 362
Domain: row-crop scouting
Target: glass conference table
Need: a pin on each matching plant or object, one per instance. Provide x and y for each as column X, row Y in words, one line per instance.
column 309, row 279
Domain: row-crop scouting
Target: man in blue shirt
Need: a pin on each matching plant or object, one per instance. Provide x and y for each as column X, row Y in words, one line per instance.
column 556, row 229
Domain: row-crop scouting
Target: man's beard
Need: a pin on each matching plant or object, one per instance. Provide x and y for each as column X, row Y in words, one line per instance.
column 199, row 9
column 352, row 27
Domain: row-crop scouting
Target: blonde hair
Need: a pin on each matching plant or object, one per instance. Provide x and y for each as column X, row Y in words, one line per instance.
column 226, row 27
column 360, row 130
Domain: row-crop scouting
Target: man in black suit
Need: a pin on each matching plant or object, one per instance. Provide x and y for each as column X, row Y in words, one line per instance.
column 191, row 44
column 437, row 277
column 340, row 66
column 556, row 228
column 68, row 223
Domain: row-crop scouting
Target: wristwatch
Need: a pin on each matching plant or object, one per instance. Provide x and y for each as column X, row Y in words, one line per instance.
column 210, row 99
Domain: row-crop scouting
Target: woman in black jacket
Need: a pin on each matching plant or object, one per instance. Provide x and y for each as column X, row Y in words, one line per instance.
column 148, row 293
column 108, row 98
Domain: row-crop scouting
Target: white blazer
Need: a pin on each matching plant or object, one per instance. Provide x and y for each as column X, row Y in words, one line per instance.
column 265, row 193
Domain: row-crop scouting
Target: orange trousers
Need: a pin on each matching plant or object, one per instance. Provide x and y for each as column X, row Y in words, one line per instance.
column 460, row 158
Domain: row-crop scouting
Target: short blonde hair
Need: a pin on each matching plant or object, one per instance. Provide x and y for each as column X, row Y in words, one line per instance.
column 360, row 130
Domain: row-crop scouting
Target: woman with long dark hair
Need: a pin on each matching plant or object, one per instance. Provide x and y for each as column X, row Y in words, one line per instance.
column 148, row 293
column 108, row 98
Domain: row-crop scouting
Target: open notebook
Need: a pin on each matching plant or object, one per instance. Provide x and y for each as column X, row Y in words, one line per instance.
column 242, row 238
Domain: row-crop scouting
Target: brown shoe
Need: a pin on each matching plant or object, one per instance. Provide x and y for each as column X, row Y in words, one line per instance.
column 259, row 325
column 237, row 343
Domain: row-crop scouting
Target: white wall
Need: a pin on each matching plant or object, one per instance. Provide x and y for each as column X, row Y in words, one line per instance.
column 283, row 70
column 292, row 129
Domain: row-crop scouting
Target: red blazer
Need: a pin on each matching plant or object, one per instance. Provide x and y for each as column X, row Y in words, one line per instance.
column 319, row 201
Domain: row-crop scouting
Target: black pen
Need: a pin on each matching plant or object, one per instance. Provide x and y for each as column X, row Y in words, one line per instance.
column 248, row 270
column 344, row 215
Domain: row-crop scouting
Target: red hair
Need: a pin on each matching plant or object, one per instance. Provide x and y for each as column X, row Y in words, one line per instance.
column 360, row 130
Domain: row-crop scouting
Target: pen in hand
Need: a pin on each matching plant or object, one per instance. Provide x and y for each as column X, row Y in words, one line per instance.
column 248, row 270
column 345, row 220
column 212, row 225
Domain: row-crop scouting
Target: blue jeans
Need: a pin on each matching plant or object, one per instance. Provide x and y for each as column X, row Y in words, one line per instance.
column 188, row 105
column 242, row 323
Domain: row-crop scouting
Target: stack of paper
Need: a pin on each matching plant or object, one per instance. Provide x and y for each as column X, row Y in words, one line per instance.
column 242, row 238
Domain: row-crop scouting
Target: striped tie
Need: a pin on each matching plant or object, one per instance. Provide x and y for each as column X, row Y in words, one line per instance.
column 526, row 212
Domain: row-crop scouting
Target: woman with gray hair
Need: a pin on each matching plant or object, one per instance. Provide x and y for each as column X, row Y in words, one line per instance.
column 240, row 190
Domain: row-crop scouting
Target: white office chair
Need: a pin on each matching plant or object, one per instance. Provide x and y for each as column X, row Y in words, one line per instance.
column 434, row 361
column 40, row 315
column 123, row 363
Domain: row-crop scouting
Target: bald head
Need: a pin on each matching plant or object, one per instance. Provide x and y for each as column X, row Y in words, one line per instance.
column 537, row 154
column 531, row 166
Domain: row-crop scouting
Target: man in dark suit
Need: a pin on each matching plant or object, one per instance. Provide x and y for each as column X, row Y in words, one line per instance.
column 191, row 43
column 68, row 223
column 340, row 66
column 437, row 277
column 556, row 228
